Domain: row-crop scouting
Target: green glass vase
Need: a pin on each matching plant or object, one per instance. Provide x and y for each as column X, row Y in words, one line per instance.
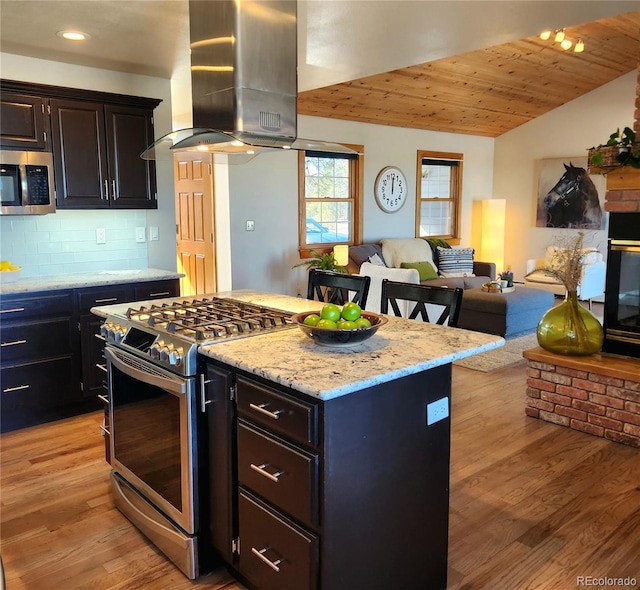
column 570, row 329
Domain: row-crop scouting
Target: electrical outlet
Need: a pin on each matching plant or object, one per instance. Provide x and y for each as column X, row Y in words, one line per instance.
column 251, row 225
column 140, row 234
column 153, row 233
column 438, row 410
column 101, row 235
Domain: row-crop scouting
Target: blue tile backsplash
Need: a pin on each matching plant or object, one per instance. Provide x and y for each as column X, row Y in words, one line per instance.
column 65, row 242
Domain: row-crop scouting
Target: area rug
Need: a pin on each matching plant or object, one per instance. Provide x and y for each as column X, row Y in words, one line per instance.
column 501, row 357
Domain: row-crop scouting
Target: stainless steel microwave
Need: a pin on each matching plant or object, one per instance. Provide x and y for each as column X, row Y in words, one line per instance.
column 26, row 183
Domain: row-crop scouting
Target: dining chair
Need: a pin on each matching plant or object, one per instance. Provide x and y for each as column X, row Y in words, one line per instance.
column 429, row 301
column 331, row 287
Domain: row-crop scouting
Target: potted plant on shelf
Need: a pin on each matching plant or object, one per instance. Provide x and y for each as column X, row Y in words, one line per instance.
column 621, row 149
column 507, row 275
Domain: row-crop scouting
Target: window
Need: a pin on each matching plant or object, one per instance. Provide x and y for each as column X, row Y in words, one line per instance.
column 439, row 187
column 330, row 199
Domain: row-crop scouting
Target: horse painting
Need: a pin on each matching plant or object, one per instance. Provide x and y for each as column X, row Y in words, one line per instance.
column 573, row 201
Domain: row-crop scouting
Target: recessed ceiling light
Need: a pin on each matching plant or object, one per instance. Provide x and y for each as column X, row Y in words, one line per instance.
column 73, row 35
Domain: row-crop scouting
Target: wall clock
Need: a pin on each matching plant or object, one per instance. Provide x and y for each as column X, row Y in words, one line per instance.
column 390, row 189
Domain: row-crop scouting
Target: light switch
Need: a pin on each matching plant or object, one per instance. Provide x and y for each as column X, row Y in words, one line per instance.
column 251, row 225
column 101, row 235
column 153, row 233
column 140, row 234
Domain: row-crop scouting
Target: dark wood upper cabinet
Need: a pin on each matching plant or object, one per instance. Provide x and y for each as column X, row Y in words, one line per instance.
column 129, row 133
column 96, row 139
column 23, row 122
column 96, row 150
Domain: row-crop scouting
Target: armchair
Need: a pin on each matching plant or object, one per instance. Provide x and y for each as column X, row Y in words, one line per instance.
column 591, row 282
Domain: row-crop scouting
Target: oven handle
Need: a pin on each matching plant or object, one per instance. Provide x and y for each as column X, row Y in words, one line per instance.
column 174, row 385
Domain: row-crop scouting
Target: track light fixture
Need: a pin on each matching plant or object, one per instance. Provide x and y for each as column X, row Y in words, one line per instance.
column 559, row 36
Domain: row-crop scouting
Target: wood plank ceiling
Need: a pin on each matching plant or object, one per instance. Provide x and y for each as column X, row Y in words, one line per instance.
column 490, row 91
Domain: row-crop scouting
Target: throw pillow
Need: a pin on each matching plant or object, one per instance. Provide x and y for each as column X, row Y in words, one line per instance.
column 375, row 259
column 363, row 252
column 425, row 269
column 455, row 262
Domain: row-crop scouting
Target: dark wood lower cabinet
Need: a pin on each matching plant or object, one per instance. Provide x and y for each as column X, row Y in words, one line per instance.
column 52, row 359
column 349, row 493
column 275, row 553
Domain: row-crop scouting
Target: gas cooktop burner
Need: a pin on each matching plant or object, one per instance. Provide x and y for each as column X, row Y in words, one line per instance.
column 210, row 319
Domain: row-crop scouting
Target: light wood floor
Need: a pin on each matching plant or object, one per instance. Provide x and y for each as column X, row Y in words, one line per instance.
column 533, row 505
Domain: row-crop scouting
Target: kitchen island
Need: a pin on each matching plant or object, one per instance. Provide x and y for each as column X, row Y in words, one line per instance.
column 342, row 455
column 326, row 468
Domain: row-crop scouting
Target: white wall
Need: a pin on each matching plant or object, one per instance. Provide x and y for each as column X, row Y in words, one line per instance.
column 565, row 132
column 265, row 190
column 160, row 254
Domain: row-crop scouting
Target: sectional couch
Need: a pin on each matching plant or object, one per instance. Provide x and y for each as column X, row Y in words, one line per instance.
column 392, row 253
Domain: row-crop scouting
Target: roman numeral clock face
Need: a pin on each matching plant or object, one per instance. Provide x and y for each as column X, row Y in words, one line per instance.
column 390, row 189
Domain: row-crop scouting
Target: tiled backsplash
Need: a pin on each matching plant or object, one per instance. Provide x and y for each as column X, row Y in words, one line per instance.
column 65, row 242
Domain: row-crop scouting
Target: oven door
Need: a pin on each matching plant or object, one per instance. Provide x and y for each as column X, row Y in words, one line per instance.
column 153, row 442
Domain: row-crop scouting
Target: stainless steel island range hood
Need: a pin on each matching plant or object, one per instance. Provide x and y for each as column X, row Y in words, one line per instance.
column 244, row 81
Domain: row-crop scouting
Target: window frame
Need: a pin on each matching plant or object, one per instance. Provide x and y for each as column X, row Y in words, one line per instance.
column 456, row 191
column 356, row 198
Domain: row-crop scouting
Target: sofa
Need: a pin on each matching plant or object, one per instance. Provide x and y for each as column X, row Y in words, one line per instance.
column 404, row 260
column 412, row 253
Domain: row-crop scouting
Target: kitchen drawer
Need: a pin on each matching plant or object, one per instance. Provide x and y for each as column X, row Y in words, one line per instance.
column 110, row 295
column 278, row 472
column 285, row 415
column 15, row 308
column 157, row 290
column 32, row 392
column 275, row 554
column 37, row 340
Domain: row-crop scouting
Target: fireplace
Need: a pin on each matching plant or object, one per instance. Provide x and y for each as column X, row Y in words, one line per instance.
column 622, row 291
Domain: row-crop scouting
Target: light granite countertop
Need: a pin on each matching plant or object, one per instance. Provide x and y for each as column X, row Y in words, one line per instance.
column 290, row 358
column 80, row 280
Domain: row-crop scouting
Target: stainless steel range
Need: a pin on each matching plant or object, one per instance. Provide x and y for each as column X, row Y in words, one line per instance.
column 157, row 415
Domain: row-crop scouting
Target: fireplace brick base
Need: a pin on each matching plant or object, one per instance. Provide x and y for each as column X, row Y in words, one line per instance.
column 598, row 394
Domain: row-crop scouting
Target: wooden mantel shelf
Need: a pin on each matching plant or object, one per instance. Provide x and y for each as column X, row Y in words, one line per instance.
column 609, row 365
column 624, row 178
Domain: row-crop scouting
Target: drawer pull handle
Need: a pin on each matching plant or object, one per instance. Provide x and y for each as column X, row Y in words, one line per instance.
column 262, row 471
column 13, row 343
column 14, row 310
column 272, row 564
column 164, row 293
column 261, row 408
column 101, row 367
column 104, row 431
column 17, row 388
column 107, row 300
column 104, row 398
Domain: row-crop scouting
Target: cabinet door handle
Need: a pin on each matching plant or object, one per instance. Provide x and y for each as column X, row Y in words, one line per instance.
column 105, row 432
column 107, row 300
column 13, row 343
column 113, row 189
column 163, row 294
column 17, row 388
column 262, row 471
column 261, row 408
column 272, row 564
column 14, row 310
column 101, row 367
column 106, row 189
column 104, row 398
column 203, row 394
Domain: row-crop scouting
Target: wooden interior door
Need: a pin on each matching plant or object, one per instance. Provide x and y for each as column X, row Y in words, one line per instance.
column 195, row 223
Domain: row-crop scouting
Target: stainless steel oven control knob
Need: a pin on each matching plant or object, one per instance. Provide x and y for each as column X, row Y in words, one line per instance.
column 175, row 357
column 164, row 352
column 154, row 351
